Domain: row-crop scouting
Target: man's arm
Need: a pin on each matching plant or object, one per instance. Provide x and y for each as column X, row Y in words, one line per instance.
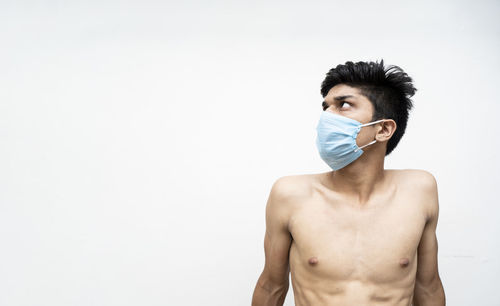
column 273, row 283
column 428, row 287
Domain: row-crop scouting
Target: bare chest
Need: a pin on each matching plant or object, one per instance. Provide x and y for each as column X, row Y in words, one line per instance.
column 337, row 242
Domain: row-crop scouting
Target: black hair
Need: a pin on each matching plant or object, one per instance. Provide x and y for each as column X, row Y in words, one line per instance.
column 388, row 88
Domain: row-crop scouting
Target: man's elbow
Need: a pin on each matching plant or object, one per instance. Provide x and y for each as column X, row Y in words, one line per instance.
column 272, row 286
column 429, row 294
column 270, row 292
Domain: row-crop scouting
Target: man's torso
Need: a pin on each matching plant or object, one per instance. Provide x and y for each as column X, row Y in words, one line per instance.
column 343, row 254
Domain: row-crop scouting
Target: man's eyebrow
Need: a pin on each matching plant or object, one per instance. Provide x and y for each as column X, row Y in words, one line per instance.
column 340, row 98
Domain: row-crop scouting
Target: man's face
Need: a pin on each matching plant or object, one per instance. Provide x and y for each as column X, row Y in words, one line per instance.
column 347, row 101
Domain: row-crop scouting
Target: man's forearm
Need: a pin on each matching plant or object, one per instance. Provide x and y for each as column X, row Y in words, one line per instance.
column 269, row 294
column 429, row 296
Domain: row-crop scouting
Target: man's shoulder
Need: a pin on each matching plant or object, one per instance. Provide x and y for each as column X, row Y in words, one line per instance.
column 293, row 186
column 418, row 179
column 423, row 186
column 286, row 194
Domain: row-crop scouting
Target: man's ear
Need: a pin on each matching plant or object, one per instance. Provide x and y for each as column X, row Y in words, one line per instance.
column 385, row 130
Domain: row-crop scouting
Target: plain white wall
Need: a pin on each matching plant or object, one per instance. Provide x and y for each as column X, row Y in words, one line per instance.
column 139, row 140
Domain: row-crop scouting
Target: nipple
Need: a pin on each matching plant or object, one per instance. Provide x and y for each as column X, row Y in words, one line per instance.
column 313, row 260
column 403, row 262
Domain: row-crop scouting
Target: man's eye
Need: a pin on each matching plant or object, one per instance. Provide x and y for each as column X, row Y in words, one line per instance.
column 325, row 105
column 342, row 103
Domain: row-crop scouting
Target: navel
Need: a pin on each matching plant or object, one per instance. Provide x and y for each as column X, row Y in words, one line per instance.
column 403, row 262
column 313, row 260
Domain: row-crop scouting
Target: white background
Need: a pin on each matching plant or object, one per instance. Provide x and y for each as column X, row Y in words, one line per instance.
column 139, row 140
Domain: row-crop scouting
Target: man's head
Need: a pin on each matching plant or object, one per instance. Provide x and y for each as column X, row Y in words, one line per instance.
column 387, row 89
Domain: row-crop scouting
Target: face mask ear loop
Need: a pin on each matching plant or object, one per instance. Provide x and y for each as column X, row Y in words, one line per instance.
column 373, row 122
column 374, row 141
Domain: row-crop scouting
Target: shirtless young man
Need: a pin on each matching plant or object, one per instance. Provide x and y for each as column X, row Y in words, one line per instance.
column 360, row 234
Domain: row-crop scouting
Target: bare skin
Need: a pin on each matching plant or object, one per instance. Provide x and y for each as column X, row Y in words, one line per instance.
column 344, row 254
column 361, row 235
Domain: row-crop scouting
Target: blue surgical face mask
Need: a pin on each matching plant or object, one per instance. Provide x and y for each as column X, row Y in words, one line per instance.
column 336, row 139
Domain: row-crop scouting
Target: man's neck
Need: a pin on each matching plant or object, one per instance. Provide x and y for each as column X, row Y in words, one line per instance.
column 361, row 179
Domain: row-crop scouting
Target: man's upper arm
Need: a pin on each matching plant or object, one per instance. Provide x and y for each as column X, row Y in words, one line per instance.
column 427, row 278
column 277, row 239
